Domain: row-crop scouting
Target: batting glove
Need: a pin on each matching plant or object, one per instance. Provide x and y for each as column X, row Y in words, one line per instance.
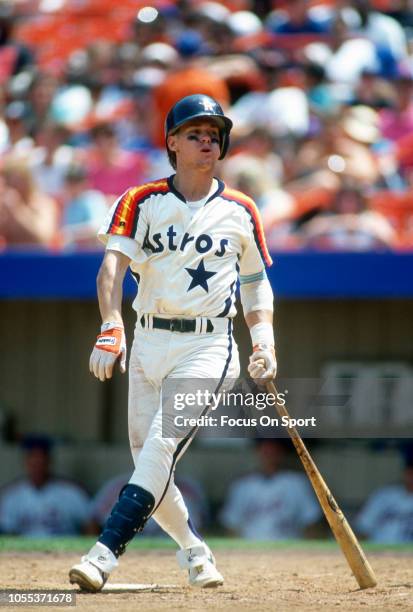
column 110, row 346
column 263, row 364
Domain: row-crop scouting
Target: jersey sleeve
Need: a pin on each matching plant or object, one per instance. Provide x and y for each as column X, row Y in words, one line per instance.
column 255, row 256
column 128, row 218
column 124, row 245
column 251, row 263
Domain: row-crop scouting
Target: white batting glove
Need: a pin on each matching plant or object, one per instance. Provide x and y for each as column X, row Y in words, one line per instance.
column 263, row 364
column 110, row 346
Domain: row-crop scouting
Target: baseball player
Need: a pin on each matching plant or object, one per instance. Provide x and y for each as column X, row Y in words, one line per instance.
column 271, row 503
column 387, row 516
column 188, row 239
column 40, row 504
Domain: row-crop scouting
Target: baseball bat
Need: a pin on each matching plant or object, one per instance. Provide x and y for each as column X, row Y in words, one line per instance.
column 342, row 531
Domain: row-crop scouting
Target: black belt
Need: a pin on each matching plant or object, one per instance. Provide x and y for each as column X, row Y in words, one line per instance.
column 178, row 325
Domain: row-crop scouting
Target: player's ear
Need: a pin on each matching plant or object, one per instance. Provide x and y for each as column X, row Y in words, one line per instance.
column 172, row 142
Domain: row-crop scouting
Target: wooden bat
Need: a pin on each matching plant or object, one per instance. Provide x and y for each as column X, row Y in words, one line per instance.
column 335, row 517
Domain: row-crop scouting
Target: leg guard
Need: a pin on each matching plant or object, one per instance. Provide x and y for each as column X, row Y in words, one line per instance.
column 128, row 517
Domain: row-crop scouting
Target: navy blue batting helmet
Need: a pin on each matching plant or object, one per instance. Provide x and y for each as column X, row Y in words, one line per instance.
column 195, row 106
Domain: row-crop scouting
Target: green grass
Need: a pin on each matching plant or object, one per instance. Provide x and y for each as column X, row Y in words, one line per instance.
column 82, row 544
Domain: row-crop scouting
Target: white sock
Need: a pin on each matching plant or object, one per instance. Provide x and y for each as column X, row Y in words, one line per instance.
column 101, row 556
column 172, row 515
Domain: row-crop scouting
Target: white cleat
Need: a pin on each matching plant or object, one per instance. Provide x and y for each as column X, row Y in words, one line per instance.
column 87, row 576
column 200, row 563
column 94, row 568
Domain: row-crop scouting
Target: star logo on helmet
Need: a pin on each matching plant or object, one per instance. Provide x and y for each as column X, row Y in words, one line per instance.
column 208, row 106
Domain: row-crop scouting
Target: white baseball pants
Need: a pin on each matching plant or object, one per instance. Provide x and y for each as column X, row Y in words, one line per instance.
column 156, row 355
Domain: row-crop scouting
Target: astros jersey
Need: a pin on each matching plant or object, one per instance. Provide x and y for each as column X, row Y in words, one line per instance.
column 187, row 262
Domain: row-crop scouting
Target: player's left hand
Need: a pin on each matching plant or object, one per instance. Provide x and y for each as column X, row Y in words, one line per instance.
column 110, row 346
column 263, row 364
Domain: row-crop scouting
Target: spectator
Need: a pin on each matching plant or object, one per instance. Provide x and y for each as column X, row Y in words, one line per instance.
column 319, row 92
column 14, row 56
column 110, row 169
column 41, row 94
column 297, row 20
column 40, row 504
column 397, row 122
column 342, row 144
column 387, row 517
column 283, row 111
column 51, row 158
column 188, row 77
column 272, row 503
column 27, row 216
column 106, row 497
column 346, row 56
column 18, row 140
column 385, row 32
column 248, row 174
column 373, row 91
column 349, row 225
column 84, row 210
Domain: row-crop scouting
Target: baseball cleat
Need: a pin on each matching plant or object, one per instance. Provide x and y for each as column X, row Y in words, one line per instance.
column 94, row 568
column 200, row 563
column 87, row 576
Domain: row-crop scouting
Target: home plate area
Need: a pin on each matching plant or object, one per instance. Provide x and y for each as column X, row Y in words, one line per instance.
column 138, row 588
column 280, row 578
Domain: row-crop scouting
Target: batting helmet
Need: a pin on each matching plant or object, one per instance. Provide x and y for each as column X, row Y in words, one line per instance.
column 198, row 105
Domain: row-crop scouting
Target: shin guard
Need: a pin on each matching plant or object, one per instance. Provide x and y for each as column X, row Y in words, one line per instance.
column 128, row 517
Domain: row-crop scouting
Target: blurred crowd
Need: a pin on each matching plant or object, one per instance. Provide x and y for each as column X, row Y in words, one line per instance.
column 320, row 92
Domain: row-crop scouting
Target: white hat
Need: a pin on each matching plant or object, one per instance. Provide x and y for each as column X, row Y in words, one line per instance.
column 361, row 123
column 160, row 52
column 213, row 10
column 243, row 23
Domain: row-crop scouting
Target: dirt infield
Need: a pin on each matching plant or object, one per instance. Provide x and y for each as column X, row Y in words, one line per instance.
column 254, row 580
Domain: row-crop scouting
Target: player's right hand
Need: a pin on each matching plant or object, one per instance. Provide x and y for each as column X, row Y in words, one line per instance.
column 263, row 363
column 110, row 346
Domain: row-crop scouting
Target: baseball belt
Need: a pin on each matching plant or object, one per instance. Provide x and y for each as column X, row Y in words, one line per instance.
column 176, row 325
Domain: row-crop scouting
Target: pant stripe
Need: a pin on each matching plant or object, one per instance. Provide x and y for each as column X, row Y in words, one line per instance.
column 185, row 441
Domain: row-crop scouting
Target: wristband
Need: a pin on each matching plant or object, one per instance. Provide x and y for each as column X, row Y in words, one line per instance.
column 110, row 325
column 262, row 334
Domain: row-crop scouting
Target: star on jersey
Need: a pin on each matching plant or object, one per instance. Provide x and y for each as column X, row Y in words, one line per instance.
column 199, row 277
